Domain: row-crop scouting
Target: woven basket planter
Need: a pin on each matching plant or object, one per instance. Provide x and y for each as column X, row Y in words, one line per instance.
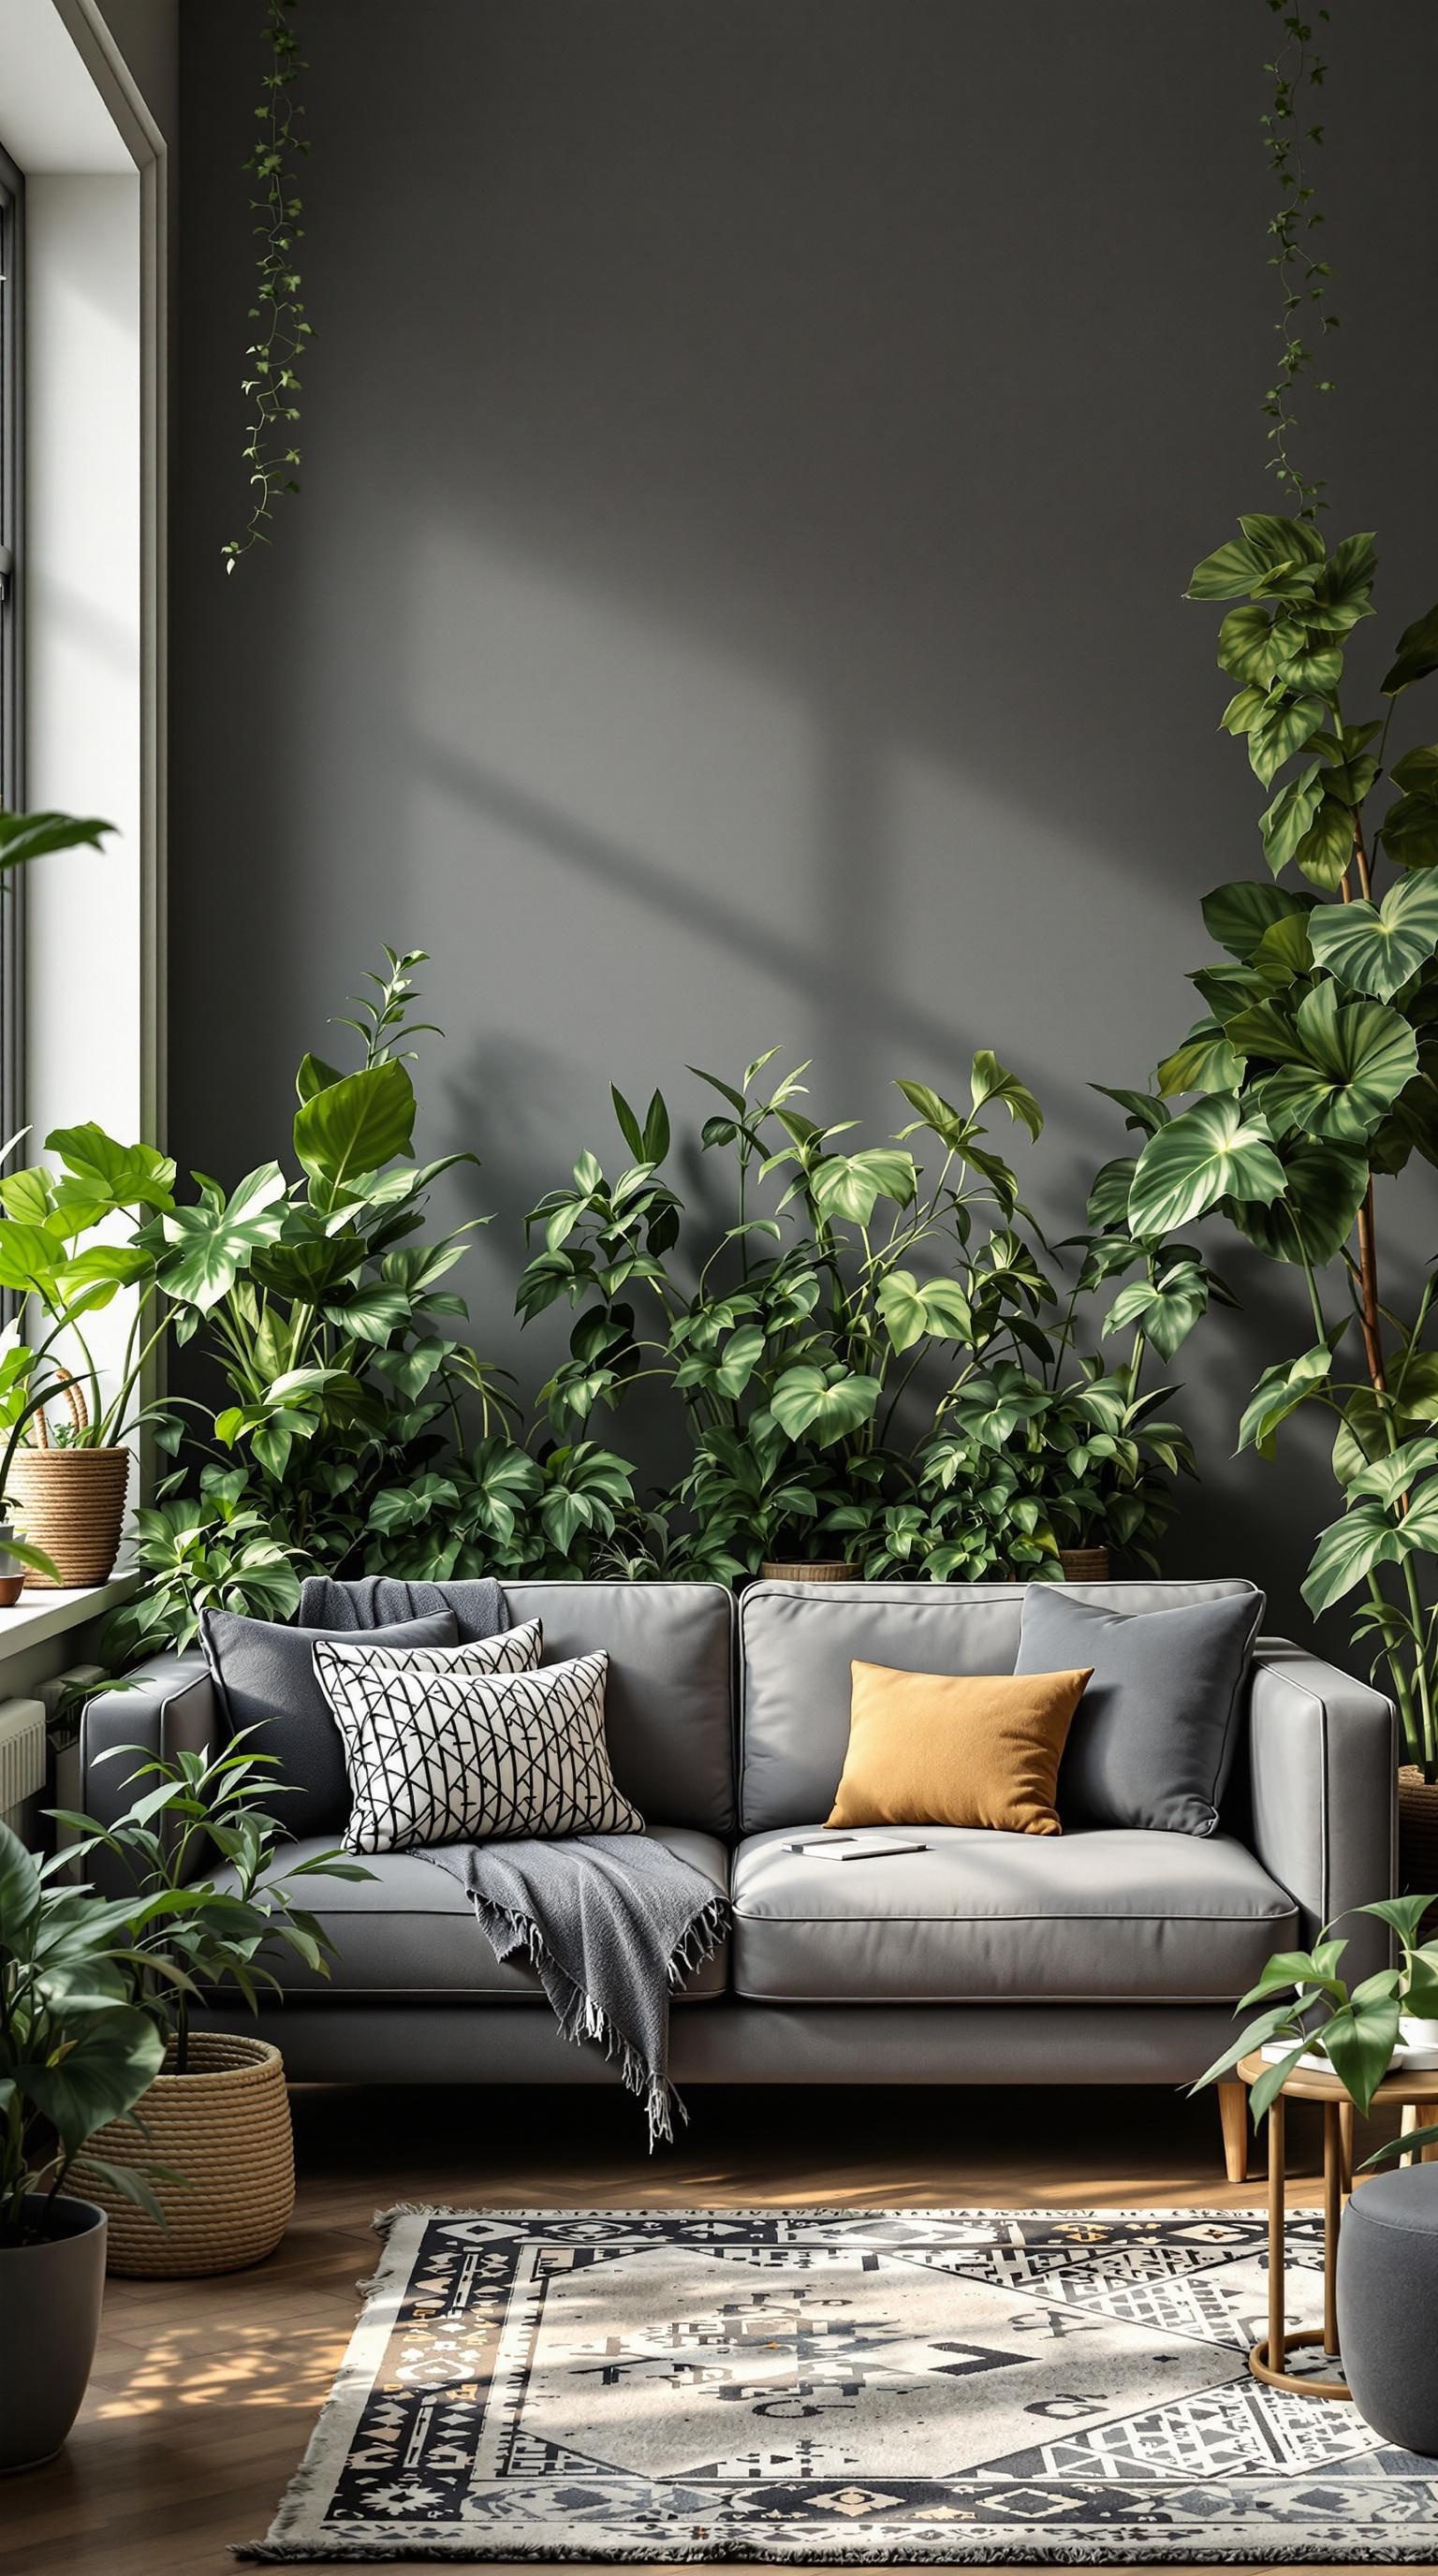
column 1418, row 1840
column 828, row 1569
column 226, row 2128
column 1084, row 1564
column 72, row 1504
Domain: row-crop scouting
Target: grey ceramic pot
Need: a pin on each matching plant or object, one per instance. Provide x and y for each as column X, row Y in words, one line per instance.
column 50, row 2297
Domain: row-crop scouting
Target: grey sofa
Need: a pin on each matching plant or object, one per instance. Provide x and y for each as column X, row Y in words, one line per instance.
column 1103, row 1957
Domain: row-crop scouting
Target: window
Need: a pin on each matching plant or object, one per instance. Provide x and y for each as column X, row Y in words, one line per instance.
column 12, row 256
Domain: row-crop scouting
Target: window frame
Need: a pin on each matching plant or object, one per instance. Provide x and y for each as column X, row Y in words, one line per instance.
column 12, row 632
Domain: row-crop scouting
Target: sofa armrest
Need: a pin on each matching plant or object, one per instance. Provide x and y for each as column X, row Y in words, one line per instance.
column 1323, row 1776
column 167, row 1706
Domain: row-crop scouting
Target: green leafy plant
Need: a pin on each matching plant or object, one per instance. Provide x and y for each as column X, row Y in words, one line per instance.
column 1306, row 2007
column 282, row 331
column 75, row 2049
column 188, row 1937
column 1313, row 1073
column 322, row 1303
column 209, row 1551
column 35, row 836
column 871, row 1354
column 73, row 1236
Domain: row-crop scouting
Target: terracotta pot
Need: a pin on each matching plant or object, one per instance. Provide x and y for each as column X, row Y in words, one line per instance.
column 73, row 1504
column 50, row 2297
column 225, row 2127
column 1084, row 1564
column 824, row 1569
column 1418, row 1840
column 12, row 1572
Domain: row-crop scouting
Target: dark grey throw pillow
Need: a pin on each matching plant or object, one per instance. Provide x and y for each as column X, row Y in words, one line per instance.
column 265, row 1676
column 1152, row 1742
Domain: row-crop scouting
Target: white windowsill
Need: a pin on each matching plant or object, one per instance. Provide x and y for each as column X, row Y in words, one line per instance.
column 39, row 1615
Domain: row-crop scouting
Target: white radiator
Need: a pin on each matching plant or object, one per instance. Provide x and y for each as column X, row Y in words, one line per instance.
column 23, row 1752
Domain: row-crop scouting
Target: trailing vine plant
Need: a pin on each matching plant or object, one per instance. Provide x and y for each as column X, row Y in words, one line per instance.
column 1302, row 276
column 282, row 330
column 1315, row 1067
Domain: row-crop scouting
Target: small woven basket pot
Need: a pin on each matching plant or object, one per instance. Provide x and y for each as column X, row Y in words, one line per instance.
column 827, row 1569
column 1418, row 1840
column 72, row 1503
column 1084, row 1564
column 226, row 2128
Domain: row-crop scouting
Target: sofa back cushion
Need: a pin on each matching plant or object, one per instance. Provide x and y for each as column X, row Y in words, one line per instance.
column 798, row 1640
column 669, row 1703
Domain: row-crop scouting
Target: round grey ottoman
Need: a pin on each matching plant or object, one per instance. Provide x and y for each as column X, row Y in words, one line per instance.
column 1388, row 2302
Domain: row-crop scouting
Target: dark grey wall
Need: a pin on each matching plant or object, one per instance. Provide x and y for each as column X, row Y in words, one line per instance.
column 753, row 453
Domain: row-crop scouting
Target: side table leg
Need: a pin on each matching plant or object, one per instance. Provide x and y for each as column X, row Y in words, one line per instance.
column 1276, row 2285
column 1411, row 2118
column 1333, row 2165
column 1345, row 2132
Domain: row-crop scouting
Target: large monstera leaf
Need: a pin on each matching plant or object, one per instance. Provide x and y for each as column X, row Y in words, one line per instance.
column 1323, row 1191
column 1350, row 1062
column 1376, row 947
column 1218, row 1150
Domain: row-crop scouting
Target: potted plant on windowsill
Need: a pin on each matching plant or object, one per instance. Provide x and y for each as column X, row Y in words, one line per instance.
column 216, row 2111
column 65, row 1461
column 76, row 2054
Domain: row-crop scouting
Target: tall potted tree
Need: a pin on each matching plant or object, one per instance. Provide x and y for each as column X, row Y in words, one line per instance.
column 1311, row 1080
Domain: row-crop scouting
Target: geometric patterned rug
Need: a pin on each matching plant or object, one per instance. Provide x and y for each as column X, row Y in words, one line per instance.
column 1047, row 2388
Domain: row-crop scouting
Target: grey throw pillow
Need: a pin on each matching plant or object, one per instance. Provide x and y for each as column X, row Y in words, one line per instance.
column 265, row 1676
column 1152, row 1742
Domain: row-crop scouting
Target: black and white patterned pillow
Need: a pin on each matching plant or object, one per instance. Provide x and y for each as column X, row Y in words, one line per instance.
column 444, row 1756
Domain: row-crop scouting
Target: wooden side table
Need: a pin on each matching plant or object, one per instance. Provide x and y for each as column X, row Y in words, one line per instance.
column 1418, row 2096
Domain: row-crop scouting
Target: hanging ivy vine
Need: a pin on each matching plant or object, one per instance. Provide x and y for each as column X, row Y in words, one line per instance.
column 273, row 385
column 1303, row 277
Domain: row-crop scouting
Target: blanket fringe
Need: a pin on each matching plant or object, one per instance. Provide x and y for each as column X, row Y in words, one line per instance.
column 582, row 2018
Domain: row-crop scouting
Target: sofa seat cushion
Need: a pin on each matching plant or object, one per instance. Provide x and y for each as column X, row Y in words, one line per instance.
column 1105, row 1916
column 410, row 1931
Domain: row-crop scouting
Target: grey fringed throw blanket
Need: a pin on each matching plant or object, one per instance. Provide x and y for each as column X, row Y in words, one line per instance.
column 610, row 1923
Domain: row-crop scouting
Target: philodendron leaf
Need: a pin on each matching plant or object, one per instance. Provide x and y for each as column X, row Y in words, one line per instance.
column 1356, row 1058
column 1291, row 723
column 911, row 1309
column 828, row 1402
column 1216, row 1150
column 1288, row 817
column 355, row 1125
column 851, row 1185
column 1389, row 1477
column 1236, row 916
column 1417, row 655
column 1376, row 947
column 211, row 1244
column 1324, row 1185
column 1360, row 2042
column 1348, row 1550
column 1204, row 1062
column 1280, row 1391
column 989, row 1080
column 1325, row 851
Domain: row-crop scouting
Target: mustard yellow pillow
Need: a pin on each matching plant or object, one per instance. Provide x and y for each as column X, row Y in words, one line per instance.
column 956, row 1748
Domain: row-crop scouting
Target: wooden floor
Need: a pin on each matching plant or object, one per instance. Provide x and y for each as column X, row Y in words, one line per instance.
column 205, row 2391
